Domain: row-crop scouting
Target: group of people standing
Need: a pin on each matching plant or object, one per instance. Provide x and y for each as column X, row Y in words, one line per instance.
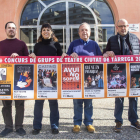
column 47, row 45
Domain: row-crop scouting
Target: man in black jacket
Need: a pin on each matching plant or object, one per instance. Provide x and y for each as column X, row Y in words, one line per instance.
column 124, row 43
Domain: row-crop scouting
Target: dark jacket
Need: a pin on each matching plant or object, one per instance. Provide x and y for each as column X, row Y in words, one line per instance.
column 114, row 44
column 47, row 48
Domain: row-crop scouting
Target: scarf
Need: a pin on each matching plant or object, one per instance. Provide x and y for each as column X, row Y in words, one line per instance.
column 123, row 46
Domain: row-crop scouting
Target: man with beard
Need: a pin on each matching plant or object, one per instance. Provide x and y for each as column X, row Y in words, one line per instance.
column 12, row 47
column 124, row 43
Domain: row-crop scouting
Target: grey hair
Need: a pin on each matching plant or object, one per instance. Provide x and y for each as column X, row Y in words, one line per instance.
column 124, row 20
column 83, row 24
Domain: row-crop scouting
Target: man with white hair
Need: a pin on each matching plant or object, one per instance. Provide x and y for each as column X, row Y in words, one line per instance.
column 83, row 47
column 124, row 43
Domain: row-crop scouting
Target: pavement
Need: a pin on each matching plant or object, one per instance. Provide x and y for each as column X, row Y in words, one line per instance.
column 103, row 115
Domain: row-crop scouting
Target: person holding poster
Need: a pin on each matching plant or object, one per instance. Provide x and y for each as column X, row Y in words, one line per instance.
column 47, row 46
column 83, row 47
column 124, row 43
column 12, row 47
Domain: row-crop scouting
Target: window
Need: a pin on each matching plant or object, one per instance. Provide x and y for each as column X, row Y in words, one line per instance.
column 65, row 18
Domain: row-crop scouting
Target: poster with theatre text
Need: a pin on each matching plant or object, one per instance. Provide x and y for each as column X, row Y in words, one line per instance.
column 116, row 80
column 134, row 79
column 23, row 81
column 6, row 81
column 93, row 80
column 47, row 81
column 71, row 81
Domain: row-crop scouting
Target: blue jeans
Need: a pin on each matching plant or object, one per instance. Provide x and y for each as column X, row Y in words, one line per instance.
column 132, row 112
column 78, row 110
column 38, row 114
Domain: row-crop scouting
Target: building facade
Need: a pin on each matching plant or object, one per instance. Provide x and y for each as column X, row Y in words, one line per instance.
column 65, row 16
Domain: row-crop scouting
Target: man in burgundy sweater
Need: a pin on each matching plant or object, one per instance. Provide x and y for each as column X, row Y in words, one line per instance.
column 12, row 47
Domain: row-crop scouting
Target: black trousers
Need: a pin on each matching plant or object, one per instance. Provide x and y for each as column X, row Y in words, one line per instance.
column 7, row 113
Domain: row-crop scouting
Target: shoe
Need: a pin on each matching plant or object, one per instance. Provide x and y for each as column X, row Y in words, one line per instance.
column 118, row 127
column 76, row 129
column 136, row 125
column 21, row 132
column 5, row 132
column 55, row 131
column 90, row 129
column 36, row 131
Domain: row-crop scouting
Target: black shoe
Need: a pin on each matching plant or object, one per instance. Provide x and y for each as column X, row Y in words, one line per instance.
column 36, row 131
column 5, row 132
column 55, row 131
column 21, row 132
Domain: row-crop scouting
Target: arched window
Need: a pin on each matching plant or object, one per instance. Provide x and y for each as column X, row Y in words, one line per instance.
column 65, row 16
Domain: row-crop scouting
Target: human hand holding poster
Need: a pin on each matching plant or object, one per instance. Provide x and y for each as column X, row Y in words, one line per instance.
column 69, row 78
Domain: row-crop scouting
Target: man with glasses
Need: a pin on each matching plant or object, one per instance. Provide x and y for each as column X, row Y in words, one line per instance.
column 124, row 43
